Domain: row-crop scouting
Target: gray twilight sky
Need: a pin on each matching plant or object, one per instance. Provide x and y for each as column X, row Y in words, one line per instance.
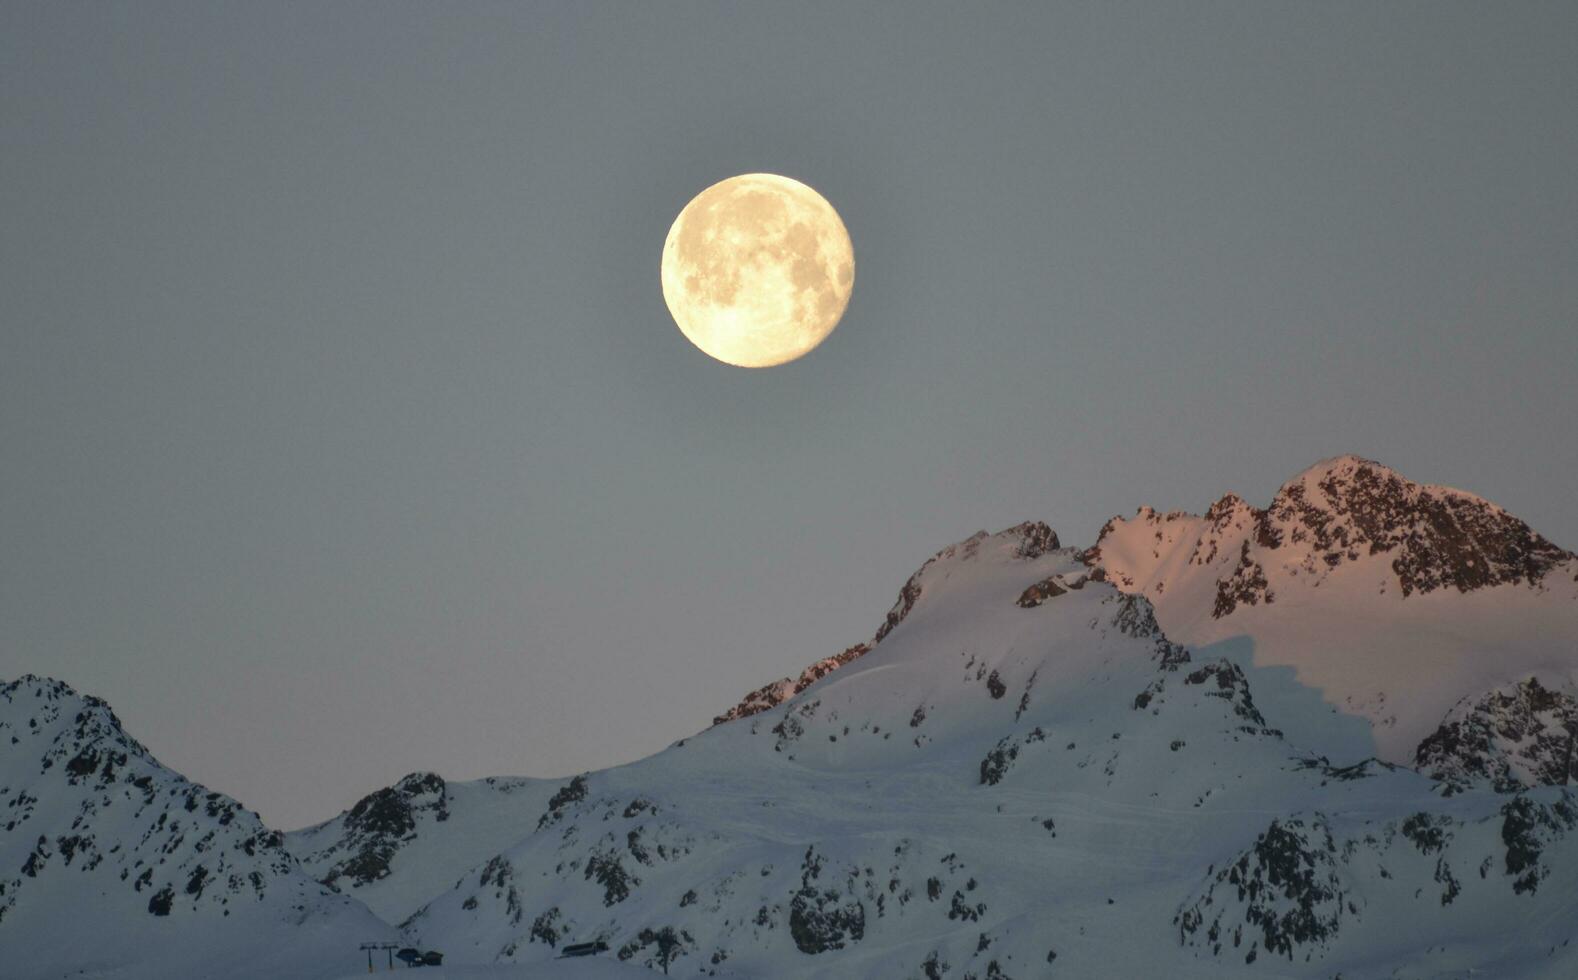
column 344, row 431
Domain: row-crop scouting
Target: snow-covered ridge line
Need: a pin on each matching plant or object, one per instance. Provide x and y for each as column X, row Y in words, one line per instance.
column 1033, row 539
column 1344, row 517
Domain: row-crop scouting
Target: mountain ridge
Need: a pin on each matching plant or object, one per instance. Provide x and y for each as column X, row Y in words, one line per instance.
column 1044, row 759
column 1342, row 516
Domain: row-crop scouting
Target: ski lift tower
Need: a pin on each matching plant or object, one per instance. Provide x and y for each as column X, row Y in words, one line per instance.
column 388, row 947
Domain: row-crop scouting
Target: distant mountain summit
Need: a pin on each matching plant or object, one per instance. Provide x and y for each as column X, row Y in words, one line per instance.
column 1342, row 512
column 107, row 857
column 1393, row 599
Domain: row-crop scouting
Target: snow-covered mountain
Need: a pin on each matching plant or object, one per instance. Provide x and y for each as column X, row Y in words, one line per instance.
column 1022, row 769
column 113, row 865
column 1154, row 756
column 1390, row 600
column 397, row 845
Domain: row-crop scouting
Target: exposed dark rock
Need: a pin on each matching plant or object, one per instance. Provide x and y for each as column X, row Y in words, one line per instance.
column 572, row 792
column 1135, row 616
column 995, row 686
column 200, row 843
column 162, row 901
column 1527, row 828
column 1037, row 539
column 667, row 943
column 1047, row 588
column 1429, row 833
column 379, row 824
column 1287, row 887
column 1246, row 585
column 769, row 696
column 1437, row 538
column 1225, row 680
column 1350, row 510
column 547, row 928
column 610, row 873
column 822, row 919
column 960, row 908
column 998, row 761
column 1512, row 738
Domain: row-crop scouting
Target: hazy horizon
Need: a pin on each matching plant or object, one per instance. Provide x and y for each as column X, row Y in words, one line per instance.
column 344, row 432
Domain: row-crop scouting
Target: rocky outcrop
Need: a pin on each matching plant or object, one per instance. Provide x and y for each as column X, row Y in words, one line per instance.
column 1136, row 616
column 1225, row 679
column 1035, row 539
column 1035, row 595
column 1511, row 738
column 769, row 696
column 377, row 826
column 1528, row 828
column 823, row 918
column 1246, row 585
column 1284, row 895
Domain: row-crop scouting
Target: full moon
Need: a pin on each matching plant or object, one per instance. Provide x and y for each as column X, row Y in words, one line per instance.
column 757, row 270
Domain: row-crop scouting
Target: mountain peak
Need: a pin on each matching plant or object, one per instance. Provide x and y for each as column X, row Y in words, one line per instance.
column 99, row 840
column 91, row 719
column 1332, row 577
column 1340, row 464
column 1346, row 508
column 1343, row 511
column 1224, row 509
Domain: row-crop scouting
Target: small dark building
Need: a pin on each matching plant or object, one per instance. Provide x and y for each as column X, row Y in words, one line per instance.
column 584, row 949
column 411, row 956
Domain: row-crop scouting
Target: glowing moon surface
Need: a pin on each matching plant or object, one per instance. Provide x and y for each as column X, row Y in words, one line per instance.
column 757, row 270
